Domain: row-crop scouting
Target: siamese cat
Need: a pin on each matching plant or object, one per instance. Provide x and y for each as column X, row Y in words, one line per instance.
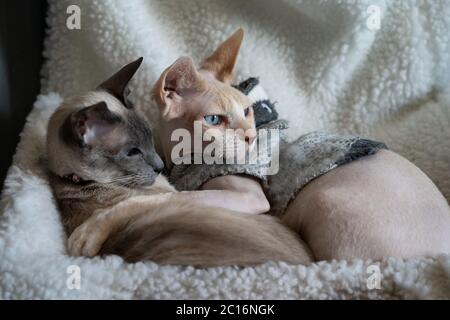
column 105, row 174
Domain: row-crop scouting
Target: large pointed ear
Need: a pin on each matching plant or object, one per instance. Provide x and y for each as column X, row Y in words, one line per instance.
column 177, row 82
column 93, row 126
column 223, row 61
column 117, row 84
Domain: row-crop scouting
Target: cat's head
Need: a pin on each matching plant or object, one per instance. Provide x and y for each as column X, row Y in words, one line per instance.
column 101, row 137
column 185, row 93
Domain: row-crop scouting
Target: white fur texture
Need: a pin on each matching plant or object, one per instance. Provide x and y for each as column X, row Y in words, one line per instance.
column 325, row 68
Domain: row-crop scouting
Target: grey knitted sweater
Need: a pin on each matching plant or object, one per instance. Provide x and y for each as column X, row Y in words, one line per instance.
column 298, row 162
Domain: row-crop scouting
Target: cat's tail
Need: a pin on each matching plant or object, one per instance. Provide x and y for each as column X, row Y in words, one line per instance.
column 206, row 236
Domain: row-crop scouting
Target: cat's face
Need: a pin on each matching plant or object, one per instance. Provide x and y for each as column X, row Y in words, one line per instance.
column 101, row 137
column 185, row 94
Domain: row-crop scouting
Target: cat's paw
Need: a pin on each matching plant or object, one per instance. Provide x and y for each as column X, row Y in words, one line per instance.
column 87, row 239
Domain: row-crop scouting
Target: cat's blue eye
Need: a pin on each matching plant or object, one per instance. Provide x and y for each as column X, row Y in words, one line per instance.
column 213, row 120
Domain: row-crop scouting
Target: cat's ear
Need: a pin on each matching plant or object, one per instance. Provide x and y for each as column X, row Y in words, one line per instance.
column 93, row 126
column 117, row 84
column 177, row 82
column 223, row 61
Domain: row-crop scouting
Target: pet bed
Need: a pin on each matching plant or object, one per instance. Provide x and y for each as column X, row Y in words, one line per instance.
column 329, row 65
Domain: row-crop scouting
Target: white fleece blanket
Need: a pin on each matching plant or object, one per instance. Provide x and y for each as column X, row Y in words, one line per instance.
column 328, row 66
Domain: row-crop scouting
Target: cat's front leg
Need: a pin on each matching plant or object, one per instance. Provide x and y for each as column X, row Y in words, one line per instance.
column 88, row 238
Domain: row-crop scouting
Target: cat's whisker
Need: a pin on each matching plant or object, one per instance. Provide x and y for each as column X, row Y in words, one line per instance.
column 121, row 178
column 129, row 180
column 118, row 182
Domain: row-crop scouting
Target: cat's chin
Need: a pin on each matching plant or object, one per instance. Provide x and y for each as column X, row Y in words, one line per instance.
column 151, row 179
column 150, row 182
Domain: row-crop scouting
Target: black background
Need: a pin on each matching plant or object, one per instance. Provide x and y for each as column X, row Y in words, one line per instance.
column 22, row 30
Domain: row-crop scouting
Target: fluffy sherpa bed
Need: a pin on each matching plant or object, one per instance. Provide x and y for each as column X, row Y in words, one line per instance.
column 325, row 65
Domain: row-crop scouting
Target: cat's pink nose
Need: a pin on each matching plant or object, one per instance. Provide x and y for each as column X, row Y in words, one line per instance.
column 250, row 136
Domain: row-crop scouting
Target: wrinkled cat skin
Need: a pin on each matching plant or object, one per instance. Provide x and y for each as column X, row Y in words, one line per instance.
column 378, row 206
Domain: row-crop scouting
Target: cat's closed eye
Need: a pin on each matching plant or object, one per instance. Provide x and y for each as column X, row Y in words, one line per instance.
column 134, row 152
column 213, row 120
